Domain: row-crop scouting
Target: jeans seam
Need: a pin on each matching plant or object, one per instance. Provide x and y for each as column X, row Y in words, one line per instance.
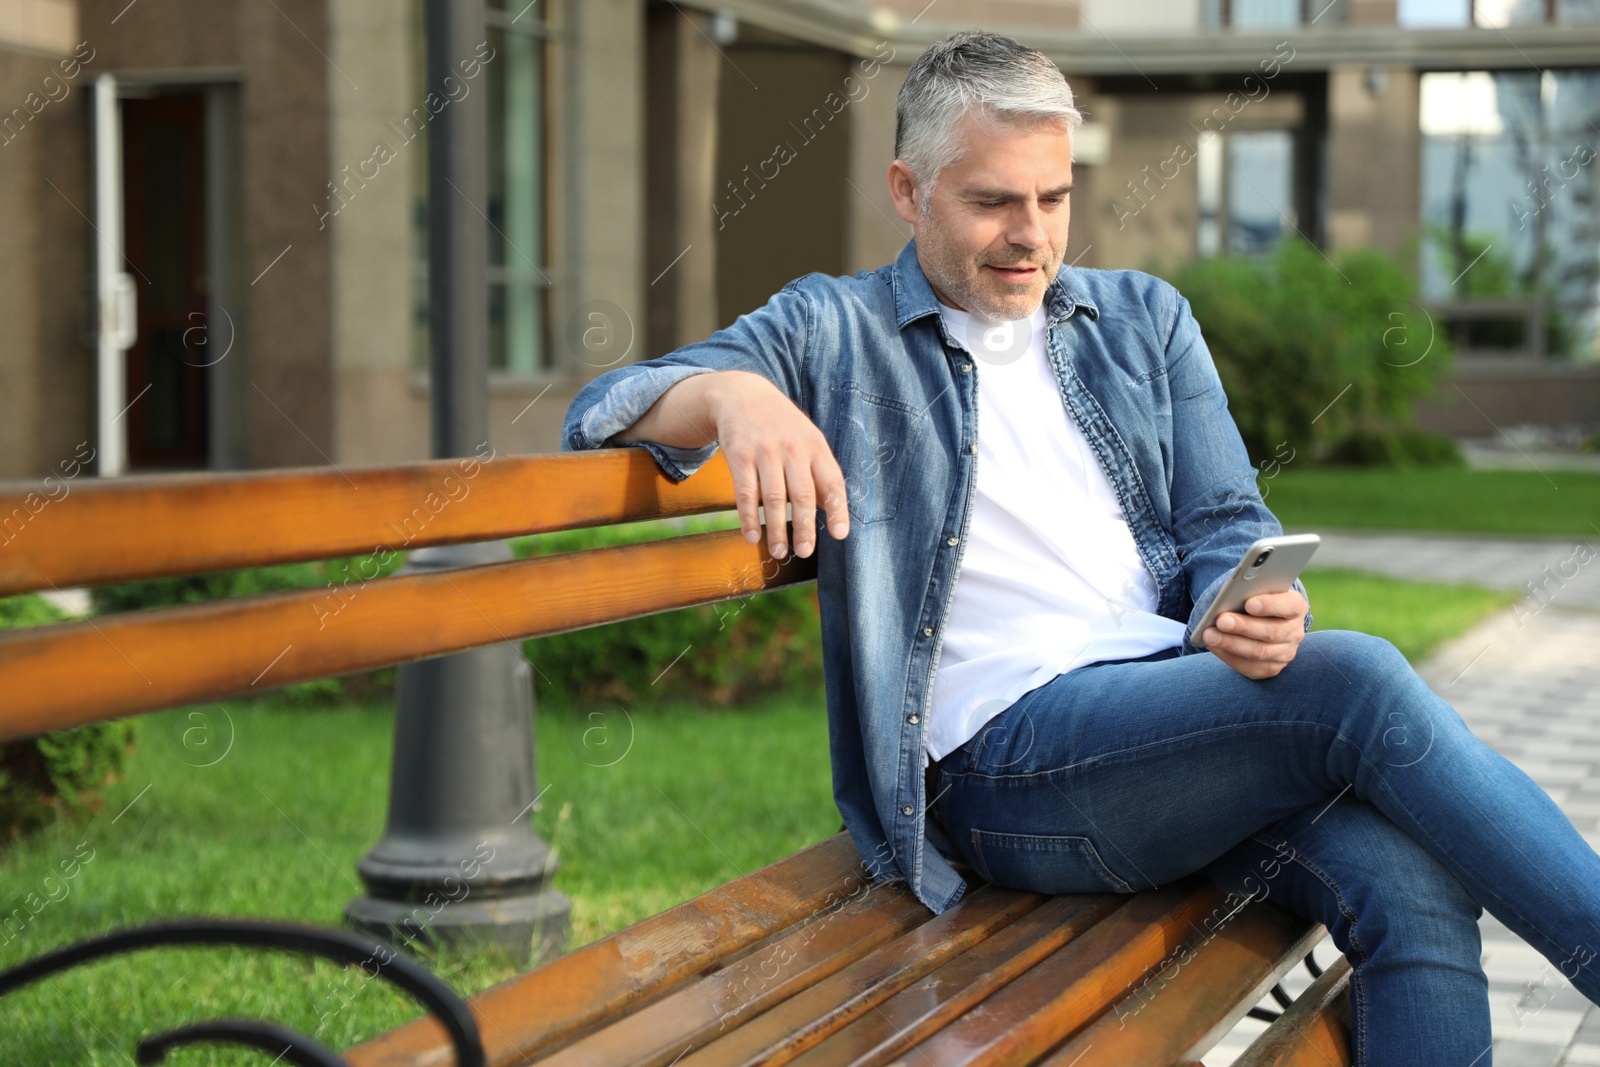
column 1508, row 903
column 1358, row 1011
column 1431, row 843
column 973, row 770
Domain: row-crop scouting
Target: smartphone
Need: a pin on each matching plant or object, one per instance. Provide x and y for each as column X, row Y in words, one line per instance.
column 1269, row 566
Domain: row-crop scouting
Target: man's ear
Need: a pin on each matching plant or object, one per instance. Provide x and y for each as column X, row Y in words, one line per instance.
column 905, row 192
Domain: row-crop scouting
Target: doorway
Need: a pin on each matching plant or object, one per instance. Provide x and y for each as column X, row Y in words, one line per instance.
column 164, row 218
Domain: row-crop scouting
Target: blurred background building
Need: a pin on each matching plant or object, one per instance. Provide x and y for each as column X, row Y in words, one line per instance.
column 226, row 198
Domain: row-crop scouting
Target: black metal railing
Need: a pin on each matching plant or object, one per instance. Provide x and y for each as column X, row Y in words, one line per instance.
column 289, row 1045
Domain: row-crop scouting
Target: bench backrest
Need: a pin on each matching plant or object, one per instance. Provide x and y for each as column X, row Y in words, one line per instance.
column 98, row 532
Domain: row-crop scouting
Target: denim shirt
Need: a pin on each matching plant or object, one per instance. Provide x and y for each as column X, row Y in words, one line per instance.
column 869, row 360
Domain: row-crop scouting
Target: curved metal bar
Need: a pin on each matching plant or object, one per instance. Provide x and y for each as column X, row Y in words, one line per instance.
column 1311, row 965
column 1281, row 995
column 1266, row 1015
column 338, row 945
column 290, row 1046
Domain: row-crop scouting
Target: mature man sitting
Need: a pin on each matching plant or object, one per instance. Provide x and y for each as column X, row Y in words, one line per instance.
column 1009, row 601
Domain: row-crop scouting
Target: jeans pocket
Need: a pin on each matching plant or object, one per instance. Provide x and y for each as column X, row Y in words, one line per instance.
column 1044, row 863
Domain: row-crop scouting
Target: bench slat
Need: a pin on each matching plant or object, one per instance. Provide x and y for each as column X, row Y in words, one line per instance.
column 960, row 986
column 783, row 1032
column 1178, row 1014
column 573, row 993
column 73, row 673
column 1311, row 1032
column 114, row 530
column 657, row 1035
column 1073, row 986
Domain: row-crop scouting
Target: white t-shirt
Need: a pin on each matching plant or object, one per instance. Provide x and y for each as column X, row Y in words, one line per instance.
column 1050, row 578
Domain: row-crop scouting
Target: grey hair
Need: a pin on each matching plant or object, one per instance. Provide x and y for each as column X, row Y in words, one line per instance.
column 986, row 74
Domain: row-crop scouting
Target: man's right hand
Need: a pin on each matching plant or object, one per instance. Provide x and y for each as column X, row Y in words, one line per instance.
column 775, row 452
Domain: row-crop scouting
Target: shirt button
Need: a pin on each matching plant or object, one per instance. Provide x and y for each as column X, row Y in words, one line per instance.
column 908, row 810
column 953, row 541
column 966, row 368
column 913, row 719
column 973, row 448
column 927, row 631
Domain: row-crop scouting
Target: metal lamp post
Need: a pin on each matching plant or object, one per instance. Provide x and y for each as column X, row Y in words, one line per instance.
column 459, row 861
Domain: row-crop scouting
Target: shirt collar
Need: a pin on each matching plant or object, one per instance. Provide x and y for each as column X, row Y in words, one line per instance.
column 914, row 299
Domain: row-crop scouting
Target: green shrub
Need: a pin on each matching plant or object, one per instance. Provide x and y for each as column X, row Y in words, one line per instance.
column 57, row 774
column 1399, row 448
column 1313, row 352
column 219, row 585
column 714, row 654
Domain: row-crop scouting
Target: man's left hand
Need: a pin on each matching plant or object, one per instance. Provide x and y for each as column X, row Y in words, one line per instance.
column 1261, row 641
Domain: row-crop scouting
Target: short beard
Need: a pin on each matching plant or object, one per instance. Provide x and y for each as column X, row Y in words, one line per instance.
column 963, row 291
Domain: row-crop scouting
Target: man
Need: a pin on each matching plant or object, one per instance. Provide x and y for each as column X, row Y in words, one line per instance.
column 1033, row 490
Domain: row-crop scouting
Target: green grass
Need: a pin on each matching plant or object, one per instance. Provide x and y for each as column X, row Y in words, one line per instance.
column 1557, row 503
column 645, row 809
column 1416, row 616
column 275, row 828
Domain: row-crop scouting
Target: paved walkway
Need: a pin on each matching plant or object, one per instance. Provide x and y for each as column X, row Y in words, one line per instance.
column 1528, row 682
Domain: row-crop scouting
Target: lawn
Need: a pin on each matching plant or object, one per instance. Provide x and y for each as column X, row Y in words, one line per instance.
column 683, row 800
column 1556, row 503
column 1416, row 616
column 275, row 828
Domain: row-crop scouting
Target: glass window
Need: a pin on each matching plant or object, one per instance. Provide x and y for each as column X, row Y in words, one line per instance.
column 1245, row 192
column 1264, row 14
column 1511, row 196
column 1208, row 177
column 518, row 284
column 1501, row 13
column 514, row 79
column 1260, row 189
column 1434, row 14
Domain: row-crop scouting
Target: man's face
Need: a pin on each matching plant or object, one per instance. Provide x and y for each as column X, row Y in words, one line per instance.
column 997, row 229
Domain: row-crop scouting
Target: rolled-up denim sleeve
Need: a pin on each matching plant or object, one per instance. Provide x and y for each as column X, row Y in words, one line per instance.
column 1217, row 511
column 770, row 341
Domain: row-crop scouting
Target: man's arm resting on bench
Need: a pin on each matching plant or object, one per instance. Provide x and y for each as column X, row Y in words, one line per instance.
column 682, row 415
column 775, row 452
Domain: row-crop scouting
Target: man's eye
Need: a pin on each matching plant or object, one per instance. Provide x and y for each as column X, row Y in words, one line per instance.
column 989, row 203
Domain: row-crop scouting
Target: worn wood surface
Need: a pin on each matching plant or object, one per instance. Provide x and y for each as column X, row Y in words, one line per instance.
column 1313, row 1031
column 1177, row 1012
column 600, row 982
column 90, row 531
column 73, row 673
column 790, row 1028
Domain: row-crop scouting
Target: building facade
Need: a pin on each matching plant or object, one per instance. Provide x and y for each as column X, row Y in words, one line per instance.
column 214, row 211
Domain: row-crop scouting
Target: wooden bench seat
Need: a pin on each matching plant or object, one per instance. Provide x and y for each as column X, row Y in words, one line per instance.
column 801, row 962
column 804, row 963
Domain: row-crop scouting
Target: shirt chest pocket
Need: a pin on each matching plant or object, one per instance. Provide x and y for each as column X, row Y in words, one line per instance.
column 874, row 438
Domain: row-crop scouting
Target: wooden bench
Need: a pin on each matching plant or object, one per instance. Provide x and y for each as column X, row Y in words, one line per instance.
column 801, row 962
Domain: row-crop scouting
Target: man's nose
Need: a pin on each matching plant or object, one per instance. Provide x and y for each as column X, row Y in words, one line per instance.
column 1027, row 225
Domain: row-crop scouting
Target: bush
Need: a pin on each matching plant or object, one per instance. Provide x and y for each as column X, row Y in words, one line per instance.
column 58, row 774
column 715, row 654
column 1313, row 352
column 1401, row 448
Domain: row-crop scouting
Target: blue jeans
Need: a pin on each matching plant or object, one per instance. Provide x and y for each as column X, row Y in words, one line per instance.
column 1344, row 789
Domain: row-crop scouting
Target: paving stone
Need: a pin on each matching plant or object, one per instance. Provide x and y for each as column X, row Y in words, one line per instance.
column 1524, row 1054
